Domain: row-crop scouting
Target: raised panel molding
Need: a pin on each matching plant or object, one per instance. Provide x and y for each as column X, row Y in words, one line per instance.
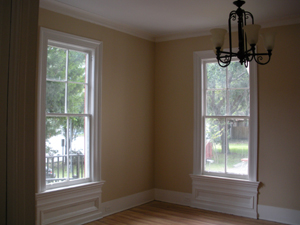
column 232, row 196
column 74, row 205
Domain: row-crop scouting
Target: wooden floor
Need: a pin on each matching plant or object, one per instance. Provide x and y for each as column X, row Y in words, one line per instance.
column 156, row 213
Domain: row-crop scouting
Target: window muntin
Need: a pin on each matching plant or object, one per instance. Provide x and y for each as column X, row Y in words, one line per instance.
column 226, row 115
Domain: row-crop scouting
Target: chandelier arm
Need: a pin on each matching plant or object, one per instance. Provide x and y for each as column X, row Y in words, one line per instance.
column 225, row 65
column 241, row 36
column 249, row 59
column 225, row 61
column 250, row 53
column 232, row 16
column 252, row 48
column 247, row 14
column 227, row 58
column 230, row 53
column 246, row 63
column 260, row 57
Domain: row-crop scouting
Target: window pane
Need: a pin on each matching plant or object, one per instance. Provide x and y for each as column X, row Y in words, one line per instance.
column 239, row 102
column 56, row 63
column 216, row 76
column 77, row 66
column 215, row 145
column 238, row 76
column 55, row 97
column 215, row 102
column 76, row 98
column 78, row 135
column 238, row 139
column 56, row 160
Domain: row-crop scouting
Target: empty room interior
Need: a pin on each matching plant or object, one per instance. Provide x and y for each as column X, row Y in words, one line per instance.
column 145, row 134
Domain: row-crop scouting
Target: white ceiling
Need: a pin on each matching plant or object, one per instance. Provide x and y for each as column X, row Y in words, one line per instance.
column 160, row 20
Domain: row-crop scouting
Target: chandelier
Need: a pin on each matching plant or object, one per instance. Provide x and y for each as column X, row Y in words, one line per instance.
column 247, row 37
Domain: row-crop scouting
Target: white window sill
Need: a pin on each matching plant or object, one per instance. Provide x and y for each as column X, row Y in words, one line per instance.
column 75, row 186
column 213, row 177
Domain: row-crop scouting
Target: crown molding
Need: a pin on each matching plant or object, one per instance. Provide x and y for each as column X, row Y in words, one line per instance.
column 206, row 32
column 178, row 36
column 80, row 14
column 283, row 22
column 68, row 10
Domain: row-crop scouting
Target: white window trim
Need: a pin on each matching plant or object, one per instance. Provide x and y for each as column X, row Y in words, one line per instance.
column 211, row 192
column 88, row 205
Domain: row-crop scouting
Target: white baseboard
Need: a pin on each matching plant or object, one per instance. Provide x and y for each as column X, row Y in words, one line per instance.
column 281, row 215
column 121, row 204
column 276, row 214
column 173, row 197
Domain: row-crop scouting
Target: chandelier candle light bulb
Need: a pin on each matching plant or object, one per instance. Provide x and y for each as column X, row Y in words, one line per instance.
column 269, row 40
column 252, row 32
column 218, row 36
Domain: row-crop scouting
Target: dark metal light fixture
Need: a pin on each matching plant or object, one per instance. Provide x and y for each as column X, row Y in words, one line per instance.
column 246, row 34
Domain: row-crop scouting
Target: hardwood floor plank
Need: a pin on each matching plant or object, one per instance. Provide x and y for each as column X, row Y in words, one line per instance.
column 161, row 213
column 168, row 215
column 110, row 221
column 190, row 215
column 135, row 218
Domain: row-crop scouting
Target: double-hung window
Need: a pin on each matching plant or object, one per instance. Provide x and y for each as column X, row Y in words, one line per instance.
column 68, row 112
column 226, row 114
column 225, row 118
column 225, row 136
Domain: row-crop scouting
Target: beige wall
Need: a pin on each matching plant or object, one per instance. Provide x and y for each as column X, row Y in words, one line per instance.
column 127, row 105
column 174, row 113
column 279, row 123
column 147, row 115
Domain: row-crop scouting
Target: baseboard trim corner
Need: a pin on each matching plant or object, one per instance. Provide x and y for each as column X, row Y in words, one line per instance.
column 174, row 197
column 127, row 202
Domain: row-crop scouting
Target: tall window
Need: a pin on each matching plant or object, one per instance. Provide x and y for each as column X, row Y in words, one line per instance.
column 225, row 119
column 68, row 110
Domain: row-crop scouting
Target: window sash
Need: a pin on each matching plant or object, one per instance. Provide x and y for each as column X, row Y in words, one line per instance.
column 66, row 81
column 227, row 88
column 226, row 172
column 69, row 157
